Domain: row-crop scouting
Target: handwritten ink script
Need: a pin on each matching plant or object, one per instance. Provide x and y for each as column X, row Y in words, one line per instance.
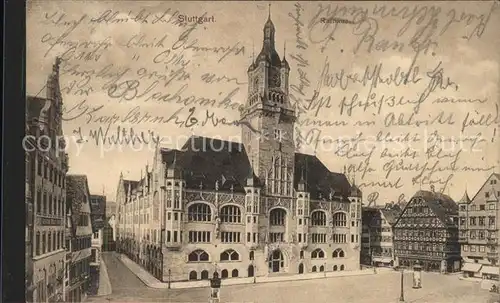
column 405, row 96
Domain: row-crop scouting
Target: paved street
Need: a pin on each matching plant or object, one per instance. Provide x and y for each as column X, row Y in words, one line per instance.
column 383, row 287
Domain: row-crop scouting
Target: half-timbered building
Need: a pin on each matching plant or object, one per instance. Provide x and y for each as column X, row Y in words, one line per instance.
column 427, row 231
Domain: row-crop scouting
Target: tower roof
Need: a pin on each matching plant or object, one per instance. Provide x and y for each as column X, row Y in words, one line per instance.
column 268, row 52
column 284, row 63
column 465, row 199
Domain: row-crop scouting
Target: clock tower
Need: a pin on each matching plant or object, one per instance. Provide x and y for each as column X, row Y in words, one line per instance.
column 268, row 118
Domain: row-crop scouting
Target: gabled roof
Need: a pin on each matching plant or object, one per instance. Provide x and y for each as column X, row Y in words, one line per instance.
column 77, row 190
column 319, row 179
column 440, row 204
column 203, row 162
column 391, row 215
column 495, row 175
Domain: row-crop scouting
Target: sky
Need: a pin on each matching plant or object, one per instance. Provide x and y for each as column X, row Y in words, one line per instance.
column 90, row 36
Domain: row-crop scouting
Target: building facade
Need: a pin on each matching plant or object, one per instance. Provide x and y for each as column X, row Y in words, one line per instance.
column 48, row 165
column 254, row 208
column 427, row 232
column 79, row 239
column 28, row 234
column 478, row 225
column 383, row 254
column 377, row 235
column 98, row 220
column 370, row 216
column 109, row 234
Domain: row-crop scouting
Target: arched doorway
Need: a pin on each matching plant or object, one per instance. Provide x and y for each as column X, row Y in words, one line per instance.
column 250, row 270
column 301, row 268
column 193, row 275
column 204, row 275
column 276, row 261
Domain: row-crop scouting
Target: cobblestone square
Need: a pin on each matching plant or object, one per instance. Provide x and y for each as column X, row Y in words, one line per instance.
column 383, row 287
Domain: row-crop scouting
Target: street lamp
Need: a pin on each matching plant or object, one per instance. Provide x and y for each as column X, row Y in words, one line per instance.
column 169, row 278
column 254, row 272
column 402, row 296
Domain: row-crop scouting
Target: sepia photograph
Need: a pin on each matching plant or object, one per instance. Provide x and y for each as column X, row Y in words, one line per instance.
column 262, row 151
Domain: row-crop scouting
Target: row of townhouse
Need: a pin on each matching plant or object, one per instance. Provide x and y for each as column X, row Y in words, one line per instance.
column 437, row 232
column 58, row 228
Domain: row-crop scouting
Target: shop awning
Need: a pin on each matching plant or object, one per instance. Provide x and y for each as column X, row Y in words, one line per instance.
column 472, row 267
column 490, row 270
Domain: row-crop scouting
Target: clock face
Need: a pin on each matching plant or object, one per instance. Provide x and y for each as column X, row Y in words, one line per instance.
column 277, row 79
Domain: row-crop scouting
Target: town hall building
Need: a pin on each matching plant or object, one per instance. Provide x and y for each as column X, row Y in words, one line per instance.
column 254, row 208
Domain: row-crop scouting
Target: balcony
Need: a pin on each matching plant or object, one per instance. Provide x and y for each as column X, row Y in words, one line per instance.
column 491, row 241
column 462, row 240
column 492, row 254
column 492, row 228
column 173, row 246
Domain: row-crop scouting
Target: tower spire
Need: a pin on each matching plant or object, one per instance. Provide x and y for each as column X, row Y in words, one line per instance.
column 269, row 16
column 253, row 51
column 284, row 50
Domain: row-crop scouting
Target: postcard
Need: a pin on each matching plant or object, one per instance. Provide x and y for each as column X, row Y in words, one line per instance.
column 264, row 152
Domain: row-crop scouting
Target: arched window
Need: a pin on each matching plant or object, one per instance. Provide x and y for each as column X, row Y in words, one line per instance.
column 199, row 212
column 230, row 214
column 338, row 253
column 234, row 273
column 204, row 275
column 341, row 267
column 314, row 269
column 198, row 256
column 340, row 219
column 229, row 255
column 302, row 254
column 193, row 275
column 252, row 255
column 224, row 274
column 321, row 268
column 318, row 218
column 301, row 268
column 335, row 267
column 318, row 254
column 277, row 216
